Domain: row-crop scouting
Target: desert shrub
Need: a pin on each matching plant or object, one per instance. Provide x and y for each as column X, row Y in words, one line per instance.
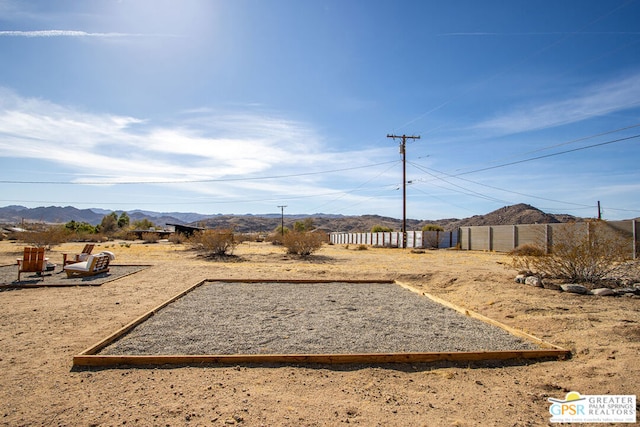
column 306, row 225
column 143, row 224
column 178, row 238
column 528, row 249
column 80, row 227
column 380, row 229
column 523, row 257
column 362, row 248
column 578, row 254
column 150, row 237
column 303, row 243
column 432, row 227
column 277, row 236
column 217, row 242
column 45, row 236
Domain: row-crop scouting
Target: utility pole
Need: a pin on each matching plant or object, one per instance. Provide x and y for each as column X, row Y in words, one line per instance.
column 599, row 211
column 403, row 151
column 282, row 221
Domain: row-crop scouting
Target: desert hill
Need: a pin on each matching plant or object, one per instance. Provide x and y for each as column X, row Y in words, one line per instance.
column 515, row 214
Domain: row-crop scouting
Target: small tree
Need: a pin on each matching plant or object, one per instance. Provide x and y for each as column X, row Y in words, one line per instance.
column 432, row 227
column 109, row 224
column 306, row 225
column 380, row 229
column 123, row 220
column 219, row 242
column 303, row 243
column 80, row 227
column 143, row 224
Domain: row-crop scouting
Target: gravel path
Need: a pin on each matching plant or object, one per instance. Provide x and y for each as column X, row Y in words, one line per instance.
column 316, row 318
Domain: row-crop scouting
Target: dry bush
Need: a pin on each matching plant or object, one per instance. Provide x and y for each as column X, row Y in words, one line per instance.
column 45, row 236
column 218, row 242
column 150, row 237
column 178, row 238
column 523, row 256
column 578, row 254
column 303, row 243
column 528, row 249
column 123, row 234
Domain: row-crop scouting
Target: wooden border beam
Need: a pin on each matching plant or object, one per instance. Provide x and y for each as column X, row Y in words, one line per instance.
column 90, row 356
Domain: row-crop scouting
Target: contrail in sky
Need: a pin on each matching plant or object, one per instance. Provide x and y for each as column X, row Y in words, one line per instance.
column 73, row 33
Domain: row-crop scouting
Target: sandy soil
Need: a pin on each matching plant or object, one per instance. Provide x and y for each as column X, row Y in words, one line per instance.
column 41, row 329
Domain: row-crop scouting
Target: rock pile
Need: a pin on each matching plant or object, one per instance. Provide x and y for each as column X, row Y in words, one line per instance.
column 631, row 291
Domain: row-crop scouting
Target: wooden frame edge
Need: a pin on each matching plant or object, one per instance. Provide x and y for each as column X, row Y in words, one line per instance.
column 91, row 351
column 356, row 358
column 89, row 356
column 470, row 313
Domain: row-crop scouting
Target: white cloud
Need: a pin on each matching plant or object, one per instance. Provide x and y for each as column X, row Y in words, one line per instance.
column 109, row 148
column 597, row 100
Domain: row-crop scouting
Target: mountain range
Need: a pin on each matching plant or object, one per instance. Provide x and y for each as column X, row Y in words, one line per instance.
column 514, row 214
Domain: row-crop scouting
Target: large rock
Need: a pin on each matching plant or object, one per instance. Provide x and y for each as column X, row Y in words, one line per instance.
column 533, row 281
column 604, row 292
column 574, row 288
column 630, row 291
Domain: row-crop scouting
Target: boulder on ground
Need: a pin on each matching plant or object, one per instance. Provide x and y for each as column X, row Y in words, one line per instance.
column 604, row 292
column 574, row 288
column 533, row 281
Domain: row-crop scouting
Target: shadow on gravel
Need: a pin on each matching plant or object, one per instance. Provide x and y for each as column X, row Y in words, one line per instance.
column 399, row 367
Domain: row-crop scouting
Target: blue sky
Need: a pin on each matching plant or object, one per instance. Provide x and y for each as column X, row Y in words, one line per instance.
column 246, row 105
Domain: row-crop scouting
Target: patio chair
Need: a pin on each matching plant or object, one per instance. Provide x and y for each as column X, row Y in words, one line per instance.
column 82, row 256
column 95, row 264
column 33, row 261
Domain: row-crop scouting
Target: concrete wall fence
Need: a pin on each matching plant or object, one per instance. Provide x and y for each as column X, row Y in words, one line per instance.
column 415, row 239
column 499, row 238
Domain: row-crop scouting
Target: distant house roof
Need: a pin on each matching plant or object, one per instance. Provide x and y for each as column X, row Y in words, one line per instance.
column 185, row 229
column 14, row 229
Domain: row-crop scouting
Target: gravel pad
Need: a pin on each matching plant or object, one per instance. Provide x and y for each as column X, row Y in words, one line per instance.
column 9, row 276
column 309, row 318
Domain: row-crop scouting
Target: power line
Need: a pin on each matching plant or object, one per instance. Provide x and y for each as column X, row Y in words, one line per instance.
column 547, row 155
column 194, row 180
column 491, row 186
column 584, row 138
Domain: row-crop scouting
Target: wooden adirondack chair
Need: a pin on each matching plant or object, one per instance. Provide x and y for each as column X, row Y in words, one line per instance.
column 82, row 256
column 33, row 261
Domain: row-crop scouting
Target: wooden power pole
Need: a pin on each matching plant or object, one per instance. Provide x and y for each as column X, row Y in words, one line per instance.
column 403, row 151
column 282, row 219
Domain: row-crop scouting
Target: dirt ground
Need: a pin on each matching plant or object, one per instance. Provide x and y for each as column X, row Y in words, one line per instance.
column 42, row 329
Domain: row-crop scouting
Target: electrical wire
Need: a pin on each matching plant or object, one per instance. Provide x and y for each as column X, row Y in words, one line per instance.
column 600, row 144
column 259, row 178
column 573, row 141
